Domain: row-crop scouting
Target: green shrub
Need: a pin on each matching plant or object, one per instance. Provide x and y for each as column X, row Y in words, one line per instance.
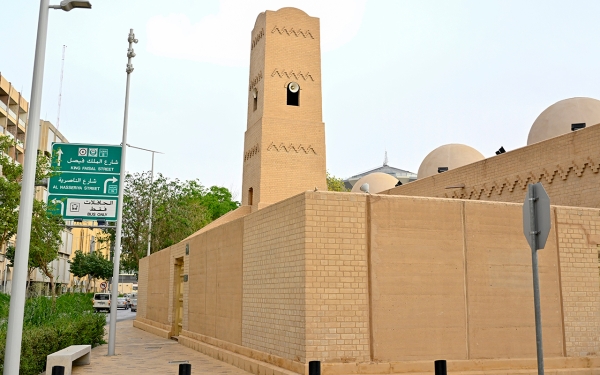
column 49, row 327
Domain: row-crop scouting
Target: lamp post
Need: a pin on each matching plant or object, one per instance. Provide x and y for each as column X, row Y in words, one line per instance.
column 151, row 191
column 112, row 332
column 14, row 333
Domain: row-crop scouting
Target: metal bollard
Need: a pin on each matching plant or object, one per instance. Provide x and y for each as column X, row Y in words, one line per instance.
column 184, row 369
column 314, row 368
column 58, row 370
column 440, row 367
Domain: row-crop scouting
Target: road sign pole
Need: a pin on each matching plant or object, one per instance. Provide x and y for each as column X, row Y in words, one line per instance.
column 532, row 197
column 112, row 333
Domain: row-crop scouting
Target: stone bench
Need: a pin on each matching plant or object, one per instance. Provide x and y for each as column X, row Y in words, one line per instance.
column 74, row 354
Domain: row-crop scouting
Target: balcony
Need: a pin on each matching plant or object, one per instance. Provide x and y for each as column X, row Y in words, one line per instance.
column 10, row 112
column 21, row 122
column 3, row 106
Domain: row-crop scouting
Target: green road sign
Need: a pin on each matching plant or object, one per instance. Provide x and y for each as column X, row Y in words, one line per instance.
column 83, row 207
column 72, row 157
column 84, row 184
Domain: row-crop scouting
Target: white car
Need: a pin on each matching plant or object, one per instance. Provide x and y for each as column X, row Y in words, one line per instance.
column 101, row 301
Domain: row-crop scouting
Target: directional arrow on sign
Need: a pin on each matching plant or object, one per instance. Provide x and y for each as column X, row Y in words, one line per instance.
column 114, row 179
column 59, row 153
column 62, row 205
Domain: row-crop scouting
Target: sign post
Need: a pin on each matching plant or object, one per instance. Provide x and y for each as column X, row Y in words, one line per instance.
column 536, row 227
column 86, row 186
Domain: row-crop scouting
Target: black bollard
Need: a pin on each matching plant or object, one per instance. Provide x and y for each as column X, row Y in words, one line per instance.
column 58, row 370
column 314, row 368
column 440, row 367
column 185, row 369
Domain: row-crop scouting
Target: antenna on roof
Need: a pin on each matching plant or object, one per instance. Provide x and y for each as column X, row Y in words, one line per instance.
column 62, row 70
column 385, row 161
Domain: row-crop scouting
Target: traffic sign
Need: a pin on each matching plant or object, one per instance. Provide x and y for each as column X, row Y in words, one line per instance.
column 86, row 182
column 73, row 157
column 537, row 220
column 83, row 207
column 103, row 285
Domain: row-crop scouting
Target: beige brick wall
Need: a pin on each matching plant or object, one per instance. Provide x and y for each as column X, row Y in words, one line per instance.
column 142, row 288
column 337, row 304
column 273, row 316
column 567, row 166
column 579, row 242
column 158, row 306
column 353, row 278
column 215, row 283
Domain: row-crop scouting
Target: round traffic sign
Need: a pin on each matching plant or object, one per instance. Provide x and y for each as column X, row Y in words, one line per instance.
column 103, row 285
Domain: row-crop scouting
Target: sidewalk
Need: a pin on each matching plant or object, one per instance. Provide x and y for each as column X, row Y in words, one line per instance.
column 139, row 352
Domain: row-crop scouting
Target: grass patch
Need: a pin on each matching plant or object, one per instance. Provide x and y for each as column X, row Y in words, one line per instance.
column 49, row 327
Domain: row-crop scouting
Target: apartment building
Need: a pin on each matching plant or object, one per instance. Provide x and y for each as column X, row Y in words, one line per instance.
column 14, row 123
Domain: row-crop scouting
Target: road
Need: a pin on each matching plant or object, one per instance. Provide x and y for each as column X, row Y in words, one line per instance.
column 122, row 315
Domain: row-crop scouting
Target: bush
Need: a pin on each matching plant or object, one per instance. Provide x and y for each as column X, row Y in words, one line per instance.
column 49, row 328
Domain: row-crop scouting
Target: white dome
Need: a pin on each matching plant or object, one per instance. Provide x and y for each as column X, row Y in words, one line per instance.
column 557, row 119
column 377, row 181
column 452, row 156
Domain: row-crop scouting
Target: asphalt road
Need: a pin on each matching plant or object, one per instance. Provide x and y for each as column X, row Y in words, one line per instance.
column 121, row 315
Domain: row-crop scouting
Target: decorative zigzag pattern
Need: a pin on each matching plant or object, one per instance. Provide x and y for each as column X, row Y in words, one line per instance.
column 255, row 81
column 291, row 147
column 250, row 153
column 257, row 38
column 284, row 73
column 521, row 180
column 291, row 32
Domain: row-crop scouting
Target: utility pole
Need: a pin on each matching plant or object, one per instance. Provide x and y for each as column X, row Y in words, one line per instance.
column 62, row 70
column 112, row 332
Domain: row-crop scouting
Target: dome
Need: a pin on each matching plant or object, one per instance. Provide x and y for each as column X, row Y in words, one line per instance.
column 452, row 156
column 557, row 119
column 377, row 181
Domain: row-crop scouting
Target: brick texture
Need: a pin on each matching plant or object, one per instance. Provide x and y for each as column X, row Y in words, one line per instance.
column 579, row 241
column 273, row 317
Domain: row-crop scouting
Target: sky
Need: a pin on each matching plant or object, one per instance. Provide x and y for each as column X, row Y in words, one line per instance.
column 399, row 76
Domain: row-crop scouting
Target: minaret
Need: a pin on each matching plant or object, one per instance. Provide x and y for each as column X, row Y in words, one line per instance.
column 284, row 146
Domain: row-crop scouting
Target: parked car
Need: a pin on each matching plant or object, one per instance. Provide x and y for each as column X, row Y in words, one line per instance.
column 122, row 303
column 101, row 301
column 134, row 304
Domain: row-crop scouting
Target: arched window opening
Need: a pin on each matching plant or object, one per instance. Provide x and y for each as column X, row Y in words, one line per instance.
column 293, row 94
column 250, row 196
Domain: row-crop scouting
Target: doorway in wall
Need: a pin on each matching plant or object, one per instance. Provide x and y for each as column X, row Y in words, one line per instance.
column 178, row 297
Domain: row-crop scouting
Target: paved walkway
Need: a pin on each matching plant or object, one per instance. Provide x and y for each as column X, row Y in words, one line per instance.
column 139, row 352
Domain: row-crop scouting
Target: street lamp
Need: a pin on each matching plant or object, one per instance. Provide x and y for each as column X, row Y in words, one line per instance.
column 14, row 334
column 117, row 255
column 151, row 188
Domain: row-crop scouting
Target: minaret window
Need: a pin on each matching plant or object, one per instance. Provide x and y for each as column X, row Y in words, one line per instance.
column 250, row 196
column 293, row 94
column 255, row 100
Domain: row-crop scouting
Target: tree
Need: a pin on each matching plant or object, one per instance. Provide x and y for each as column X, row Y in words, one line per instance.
column 10, row 191
column 94, row 265
column 46, row 229
column 335, row 183
column 179, row 209
column 99, row 267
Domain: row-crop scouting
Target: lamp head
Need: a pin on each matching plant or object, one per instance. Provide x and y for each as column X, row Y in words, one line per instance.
column 67, row 5
column 364, row 188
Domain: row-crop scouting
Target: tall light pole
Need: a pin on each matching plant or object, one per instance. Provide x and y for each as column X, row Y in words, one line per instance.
column 14, row 333
column 112, row 332
column 151, row 192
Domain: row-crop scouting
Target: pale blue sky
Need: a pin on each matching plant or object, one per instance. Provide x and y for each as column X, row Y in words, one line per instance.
column 406, row 76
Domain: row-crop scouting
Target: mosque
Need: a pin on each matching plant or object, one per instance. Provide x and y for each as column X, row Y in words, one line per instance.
column 388, row 279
